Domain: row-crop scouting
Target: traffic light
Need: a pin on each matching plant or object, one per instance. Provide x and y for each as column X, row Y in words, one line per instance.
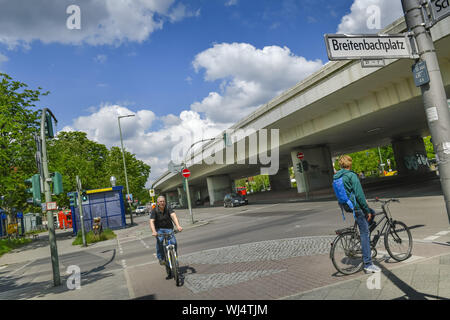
column 57, row 183
column 35, row 189
column 84, row 196
column 73, row 199
column 49, row 126
column 299, row 167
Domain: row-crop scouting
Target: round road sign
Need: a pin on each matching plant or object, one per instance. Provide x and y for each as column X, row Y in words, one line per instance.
column 300, row 155
column 186, row 173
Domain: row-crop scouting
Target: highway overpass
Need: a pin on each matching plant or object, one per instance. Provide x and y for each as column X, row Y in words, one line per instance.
column 339, row 109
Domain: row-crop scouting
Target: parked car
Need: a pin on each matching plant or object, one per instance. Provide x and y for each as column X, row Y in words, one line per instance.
column 233, row 200
column 140, row 210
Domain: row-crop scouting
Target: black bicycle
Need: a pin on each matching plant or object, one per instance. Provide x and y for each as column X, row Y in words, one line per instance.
column 346, row 253
column 171, row 258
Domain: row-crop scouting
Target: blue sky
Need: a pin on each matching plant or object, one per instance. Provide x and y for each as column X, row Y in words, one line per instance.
column 179, row 65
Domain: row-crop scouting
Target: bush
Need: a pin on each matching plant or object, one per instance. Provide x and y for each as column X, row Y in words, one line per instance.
column 7, row 245
column 107, row 234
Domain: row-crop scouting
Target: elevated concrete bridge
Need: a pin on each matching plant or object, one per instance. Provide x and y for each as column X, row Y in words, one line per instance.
column 341, row 108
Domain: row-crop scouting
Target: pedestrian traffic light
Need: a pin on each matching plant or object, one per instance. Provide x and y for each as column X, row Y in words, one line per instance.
column 299, row 167
column 84, row 196
column 72, row 199
column 57, row 183
column 35, row 189
column 49, row 126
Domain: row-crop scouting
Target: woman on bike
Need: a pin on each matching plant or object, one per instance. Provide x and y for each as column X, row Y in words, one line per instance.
column 362, row 211
column 162, row 218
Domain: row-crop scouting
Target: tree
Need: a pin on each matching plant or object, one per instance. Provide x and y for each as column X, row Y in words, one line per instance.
column 137, row 173
column 18, row 124
column 73, row 154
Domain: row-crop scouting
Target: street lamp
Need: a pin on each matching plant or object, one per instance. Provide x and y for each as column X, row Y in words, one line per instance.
column 124, row 164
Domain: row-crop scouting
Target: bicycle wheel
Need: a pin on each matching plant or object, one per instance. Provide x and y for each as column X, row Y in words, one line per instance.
column 175, row 270
column 168, row 270
column 398, row 241
column 346, row 253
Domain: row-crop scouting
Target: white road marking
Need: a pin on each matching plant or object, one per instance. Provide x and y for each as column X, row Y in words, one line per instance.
column 22, row 267
column 410, row 259
column 431, row 238
column 442, row 233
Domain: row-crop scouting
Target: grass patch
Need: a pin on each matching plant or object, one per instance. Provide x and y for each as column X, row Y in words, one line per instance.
column 7, row 245
column 107, row 234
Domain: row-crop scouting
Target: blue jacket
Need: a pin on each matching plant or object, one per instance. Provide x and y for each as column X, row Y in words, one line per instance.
column 352, row 184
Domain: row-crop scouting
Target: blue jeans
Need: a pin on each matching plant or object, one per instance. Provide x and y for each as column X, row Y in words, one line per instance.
column 159, row 242
column 361, row 220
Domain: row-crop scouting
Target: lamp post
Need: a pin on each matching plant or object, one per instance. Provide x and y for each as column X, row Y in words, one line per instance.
column 113, row 181
column 124, row 164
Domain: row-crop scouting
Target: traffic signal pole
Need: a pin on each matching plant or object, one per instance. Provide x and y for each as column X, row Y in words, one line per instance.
column 48, row 198
column 80, row 207
column 433, row 94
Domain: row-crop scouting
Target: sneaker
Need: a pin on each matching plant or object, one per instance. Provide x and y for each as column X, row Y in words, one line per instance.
column 372, row 269
column 162, row 262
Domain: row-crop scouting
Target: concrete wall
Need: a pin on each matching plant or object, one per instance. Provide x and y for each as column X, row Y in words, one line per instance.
column 218, row 187
column 410, row 156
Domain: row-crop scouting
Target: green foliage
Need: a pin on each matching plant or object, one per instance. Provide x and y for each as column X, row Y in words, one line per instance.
column 107, row 234
column 7, row 245
column 429, row 148
column 18, row 124
column 256, row 183
column 368, row 161
column 72, row 154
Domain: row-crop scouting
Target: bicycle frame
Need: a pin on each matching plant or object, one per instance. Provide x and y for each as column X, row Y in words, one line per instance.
column 168, row 247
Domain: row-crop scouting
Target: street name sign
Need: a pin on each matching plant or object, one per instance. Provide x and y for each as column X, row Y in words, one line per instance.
column 420, row 73
column 371, row 46
column 440, row 9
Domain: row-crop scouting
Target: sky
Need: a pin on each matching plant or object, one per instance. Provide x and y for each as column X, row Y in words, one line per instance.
column 184, row 68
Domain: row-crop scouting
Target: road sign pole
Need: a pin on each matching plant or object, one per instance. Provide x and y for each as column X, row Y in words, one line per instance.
column 80, row 207
column 48, row 198
column 433, row 94
column 189, row 201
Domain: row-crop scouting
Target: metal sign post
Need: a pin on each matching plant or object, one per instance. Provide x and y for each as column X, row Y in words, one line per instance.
column 433, row 92
column 80, row 206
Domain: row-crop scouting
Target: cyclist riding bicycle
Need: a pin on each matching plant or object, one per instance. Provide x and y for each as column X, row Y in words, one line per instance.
column 362, row 211
column 162, row 218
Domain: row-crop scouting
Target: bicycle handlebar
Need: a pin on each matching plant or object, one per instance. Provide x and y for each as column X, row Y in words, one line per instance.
column 383, row 201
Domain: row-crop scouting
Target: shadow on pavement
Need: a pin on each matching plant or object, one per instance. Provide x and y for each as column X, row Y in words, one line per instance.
column 410, row 292
column 22, row 286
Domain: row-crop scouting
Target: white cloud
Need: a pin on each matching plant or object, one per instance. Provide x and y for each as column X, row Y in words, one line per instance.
column 155, row 147
column 3, row 59
column 231, row 3
column 362, row 18
column 250, row 77
column 101, row 58
column 102, row 21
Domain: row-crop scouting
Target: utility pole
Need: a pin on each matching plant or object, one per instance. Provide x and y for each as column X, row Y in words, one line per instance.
column 433, row 93
column 48, row 198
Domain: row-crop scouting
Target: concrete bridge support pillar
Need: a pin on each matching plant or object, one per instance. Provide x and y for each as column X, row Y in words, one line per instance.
column 280, row 181
column 317, row 168
column 218, row 187
column 410, row 156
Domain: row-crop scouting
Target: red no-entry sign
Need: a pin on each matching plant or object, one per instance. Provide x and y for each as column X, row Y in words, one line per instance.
column 186, row 173
column 300, row 155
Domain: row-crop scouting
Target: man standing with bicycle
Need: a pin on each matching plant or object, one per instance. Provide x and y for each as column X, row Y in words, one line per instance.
column 362, row 211
column 162, row 218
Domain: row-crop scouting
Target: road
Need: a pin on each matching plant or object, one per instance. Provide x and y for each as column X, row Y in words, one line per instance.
column 259, row 251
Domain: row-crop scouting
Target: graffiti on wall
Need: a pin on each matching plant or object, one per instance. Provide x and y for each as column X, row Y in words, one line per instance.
column 414, row 162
